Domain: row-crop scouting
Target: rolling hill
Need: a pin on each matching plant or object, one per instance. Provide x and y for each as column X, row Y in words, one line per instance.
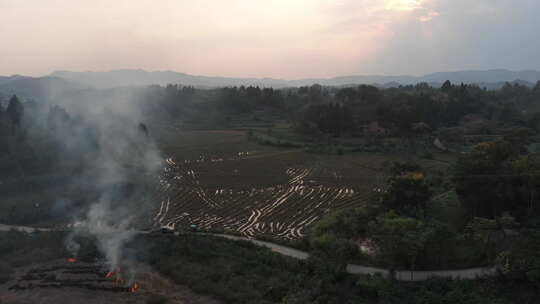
column 119, row 78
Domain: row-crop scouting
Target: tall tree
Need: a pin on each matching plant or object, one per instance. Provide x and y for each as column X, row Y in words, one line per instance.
column 398, row 240
column 2, row 120
column 494, row 179
column 447, row 86
column 407, row 191
column 15, row 111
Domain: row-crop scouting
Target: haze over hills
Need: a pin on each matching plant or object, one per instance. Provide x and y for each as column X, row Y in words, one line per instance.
column 60, row 82
column 40, row 88
column 140, row 77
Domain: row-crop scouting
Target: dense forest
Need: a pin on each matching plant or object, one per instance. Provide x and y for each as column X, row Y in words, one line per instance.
column 405, row 110
column 315, row 110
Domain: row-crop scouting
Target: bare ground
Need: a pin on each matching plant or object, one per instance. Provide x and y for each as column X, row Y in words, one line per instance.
column 82, row 283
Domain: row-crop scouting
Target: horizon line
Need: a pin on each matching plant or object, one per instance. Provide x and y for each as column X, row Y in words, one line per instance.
column 272, row 78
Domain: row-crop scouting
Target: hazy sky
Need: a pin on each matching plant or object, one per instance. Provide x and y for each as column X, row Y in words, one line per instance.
column 274, row 38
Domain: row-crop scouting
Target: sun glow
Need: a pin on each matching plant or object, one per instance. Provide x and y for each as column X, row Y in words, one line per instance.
column 404, row 5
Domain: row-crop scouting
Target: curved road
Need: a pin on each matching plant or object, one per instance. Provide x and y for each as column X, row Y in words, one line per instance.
column 283, row 250
column 402, row 275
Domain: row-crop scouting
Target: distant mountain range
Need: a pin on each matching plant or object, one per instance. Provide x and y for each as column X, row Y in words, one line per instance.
column 42, row 88
column 141, row 78
column 62, row 82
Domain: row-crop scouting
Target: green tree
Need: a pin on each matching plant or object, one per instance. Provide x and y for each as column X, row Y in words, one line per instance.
column 407, row 191
column 447, row 86
column 2, row 121
column 369, row 94
column 399, row 240
column 536, row 91
column 522, row 261
column 494, row 178
column 14, row 112
column 479, row 176
column 526, row 186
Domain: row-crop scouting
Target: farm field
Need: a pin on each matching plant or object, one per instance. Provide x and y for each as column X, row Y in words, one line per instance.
column 218, row 181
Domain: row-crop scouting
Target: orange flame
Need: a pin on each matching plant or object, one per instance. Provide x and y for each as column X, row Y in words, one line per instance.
column 135, row 287
column 72, row 260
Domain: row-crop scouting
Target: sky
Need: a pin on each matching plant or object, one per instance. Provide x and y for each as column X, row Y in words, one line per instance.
column 286, row 39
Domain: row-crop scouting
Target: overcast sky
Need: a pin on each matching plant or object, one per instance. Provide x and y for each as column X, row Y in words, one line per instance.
column 271, row 38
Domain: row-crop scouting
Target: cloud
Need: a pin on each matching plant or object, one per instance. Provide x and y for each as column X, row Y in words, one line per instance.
column 482, row 34
column 404, row 5
column 280, row 38
column 430, row 14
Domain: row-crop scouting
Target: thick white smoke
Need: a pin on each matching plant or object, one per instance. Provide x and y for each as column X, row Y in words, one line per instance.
column 111, row 233
column 120, row 163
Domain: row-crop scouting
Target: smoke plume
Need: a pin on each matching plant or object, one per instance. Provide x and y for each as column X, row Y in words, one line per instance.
column 118, row 164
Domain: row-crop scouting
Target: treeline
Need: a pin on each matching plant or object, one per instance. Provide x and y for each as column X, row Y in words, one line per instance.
column 339, row 111
column 400, row 111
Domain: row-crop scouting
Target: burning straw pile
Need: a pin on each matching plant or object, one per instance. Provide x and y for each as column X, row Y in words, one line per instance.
column 75, row 274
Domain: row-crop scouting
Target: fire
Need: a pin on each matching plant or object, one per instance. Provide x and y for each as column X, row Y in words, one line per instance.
column 115, row 275
column 135, row 287
column 72, row 260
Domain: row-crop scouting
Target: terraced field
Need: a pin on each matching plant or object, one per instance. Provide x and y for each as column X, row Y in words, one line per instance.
column 277, row 194
column 218, row 180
